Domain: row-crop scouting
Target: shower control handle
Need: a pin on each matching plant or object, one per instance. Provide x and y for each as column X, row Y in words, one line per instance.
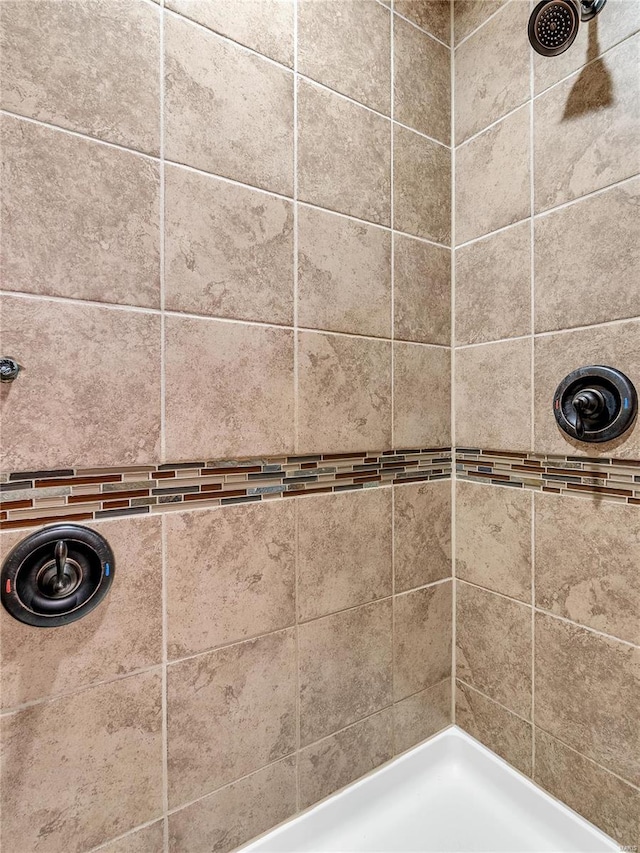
column 9, row 369
column 590, row 403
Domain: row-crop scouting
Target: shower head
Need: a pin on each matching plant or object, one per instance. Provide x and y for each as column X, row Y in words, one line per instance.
column 553, row 25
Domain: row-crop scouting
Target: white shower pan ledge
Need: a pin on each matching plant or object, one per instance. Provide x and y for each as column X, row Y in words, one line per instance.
column 448, row 795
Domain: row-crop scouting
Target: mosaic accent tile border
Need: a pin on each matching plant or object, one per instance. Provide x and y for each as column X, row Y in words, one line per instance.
column 29, row 498
column 611, row 479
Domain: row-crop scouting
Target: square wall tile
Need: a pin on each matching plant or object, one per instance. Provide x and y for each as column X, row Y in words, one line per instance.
column 501, row 731
column 434, row 16
column 421, row 186
column 559, row 354
column 229, row 390
column 345, row 665
column 468, row 15
column 241, row 574
column 493, row 637
column 109, row 411
column 421, row 291
column 347, row 46
column 265, row 26
column 73, row 786
column 344, row 550
column 588, row 694
column 228, row 250
column 422, row 715
column 493, row 538
column 227, row 111
column 339, row 759
column 149, row 839
column 422, row 81
column 601, row 798
column 344, row 155
column 601, row 34
column 53, row 53
column 122, row 635
column 587, row 128
column 493, row 396
column 79, row 219
column 230, row 712
column 493, row 287
column 595, row 243
column 233, row 815
column 590, row 573
column 492, row 70
column 344, row 274
column 422, row 533
column 421, row 639
column 498, row 193
column 344, row 393
column 421, row 395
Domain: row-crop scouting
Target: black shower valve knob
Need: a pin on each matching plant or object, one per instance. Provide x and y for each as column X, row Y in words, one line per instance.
column 595, row 404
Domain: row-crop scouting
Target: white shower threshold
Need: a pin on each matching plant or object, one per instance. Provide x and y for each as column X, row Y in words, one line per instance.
column 448, row 795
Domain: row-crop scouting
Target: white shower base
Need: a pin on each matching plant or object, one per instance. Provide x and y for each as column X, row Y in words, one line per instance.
column 448, row 795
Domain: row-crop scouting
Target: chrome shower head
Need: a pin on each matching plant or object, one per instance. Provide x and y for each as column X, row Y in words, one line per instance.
column 553, row 25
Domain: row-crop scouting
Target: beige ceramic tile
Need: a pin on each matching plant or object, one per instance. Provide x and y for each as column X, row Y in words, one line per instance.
column 82, row 769
column 422, row 639
column 241, row 574
column 344, row 155
column 229, row 712
column 596, row 245
column 123, row 634
column 493, row 538
column 493, row 639
column 492, row 70
column 434, row 16
column 468, row 15
column 228, row 250
column 108, row 412
column 600, row 34
column 605, row 800
column 78, row 219
column 344, row 393
column 422, row 81
column 344, row 551
column 339, row 759
column 227, row 111
column 498, row 193
column 422, row 291
column 345, row 669
column 421, row 395
column 588, row 694
column 493, row 287
column 422, row 715
column 147, row 840
column 556, row 356
column 422, row 533
column 91, row 67
column 498, row 729
column 422, row 186
column 344, row 274
column 590, row 573
column 493, row 396
column 235, row 814
column 229, row 390
column 263, row 25
column 347, row 46
column 587, row 128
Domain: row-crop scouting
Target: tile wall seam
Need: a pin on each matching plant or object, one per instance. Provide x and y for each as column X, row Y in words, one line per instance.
column 296, row 400
column 165, row 691
column 420, row 29
column 480, row 26
column 532, row 394
column 105, row 844
column 551, row 615
column 493, row 701
column 392, row 332
column 452, row 309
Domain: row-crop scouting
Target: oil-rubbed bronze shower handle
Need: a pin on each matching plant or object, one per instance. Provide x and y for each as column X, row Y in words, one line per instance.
column 9, row 369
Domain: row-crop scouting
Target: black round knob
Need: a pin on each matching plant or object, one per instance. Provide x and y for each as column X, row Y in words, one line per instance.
column 57, row 575
column 595, row 404
column 9, row 369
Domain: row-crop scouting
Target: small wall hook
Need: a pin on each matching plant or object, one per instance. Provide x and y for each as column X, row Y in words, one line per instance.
column 9, row 369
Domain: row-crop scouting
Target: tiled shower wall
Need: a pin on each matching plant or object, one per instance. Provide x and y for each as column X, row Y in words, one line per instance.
column 547, row 279
column 226, row 236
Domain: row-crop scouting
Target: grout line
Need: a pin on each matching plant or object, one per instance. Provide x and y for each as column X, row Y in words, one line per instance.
column 454, row 585
column 480, row 26
column 165, row 698
column 588, row 195
column 296, row 344
column 421, row 29
column 495, row 701
column 532, row 399
column 392, row 330
column 127, row 834
column 493, row 124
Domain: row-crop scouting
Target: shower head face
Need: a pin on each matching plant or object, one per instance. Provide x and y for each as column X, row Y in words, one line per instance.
column 553, row 26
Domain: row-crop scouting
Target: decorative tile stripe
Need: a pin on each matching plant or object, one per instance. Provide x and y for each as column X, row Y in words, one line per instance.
column 611, row 479
column 29, row 498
